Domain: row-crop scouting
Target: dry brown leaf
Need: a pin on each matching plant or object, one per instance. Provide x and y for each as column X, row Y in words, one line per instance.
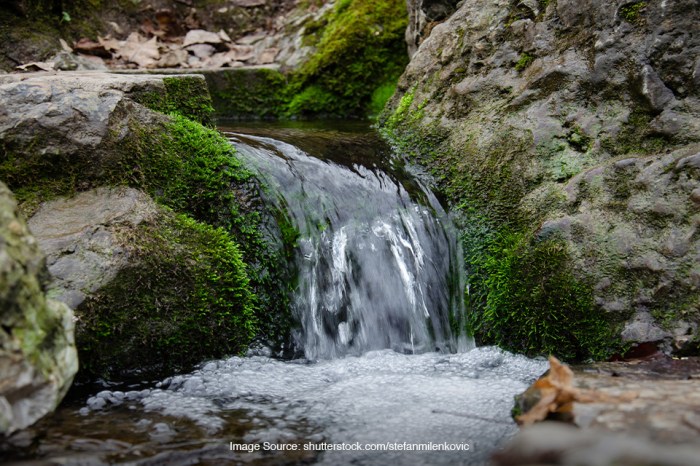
column 241, row 52
column 225, row 37
column 217, row 60
column 136, row 50
column 201, row 50
column 173, row 58
column 558, row 394
column 90, row 47
column 268, row 56
column 200, row 36
column 110, row 44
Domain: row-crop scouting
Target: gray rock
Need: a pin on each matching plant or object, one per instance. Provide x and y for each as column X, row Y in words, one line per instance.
column 81, row 238
column 554, row 443
column 422, row 13
column 591, row 113
column 77, row 121
column 643, row 328
column 38, row 358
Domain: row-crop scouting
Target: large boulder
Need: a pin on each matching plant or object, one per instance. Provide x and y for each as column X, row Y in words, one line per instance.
column 37, row 351
column 566, row 135
column 153, row 292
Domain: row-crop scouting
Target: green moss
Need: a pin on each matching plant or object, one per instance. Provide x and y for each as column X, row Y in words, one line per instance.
column 525, row 60
column 186, row 298
column 360, row 54
column 360, row 49
column 535, row 305
column 632, row 12
column 184, row 95
column 635, row 136
column 183, row 165
column 380, row 97
column 248, row 93
column 194, row 170
column 522, row 292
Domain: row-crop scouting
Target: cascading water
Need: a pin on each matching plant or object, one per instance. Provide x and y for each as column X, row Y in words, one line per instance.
column 377, row 261
column 378, row 279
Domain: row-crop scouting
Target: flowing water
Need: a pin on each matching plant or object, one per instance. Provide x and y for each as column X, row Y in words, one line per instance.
column 389, row 377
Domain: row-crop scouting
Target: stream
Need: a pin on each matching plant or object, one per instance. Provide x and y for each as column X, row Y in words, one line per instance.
column 389, row 375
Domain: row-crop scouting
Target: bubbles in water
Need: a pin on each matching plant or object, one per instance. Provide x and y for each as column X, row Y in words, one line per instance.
column 381, row 396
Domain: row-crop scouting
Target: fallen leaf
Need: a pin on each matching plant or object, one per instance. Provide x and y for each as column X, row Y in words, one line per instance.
column 251, row 38
column 173, row 58
column 241, row 52
column 65, row 46
column 201, row 50
column 217, row 60
column 200, row 36
column 225, row 37
column 90, row 47
column 117, row 28
column 557, row 394
column 110, row 44
column 268, row 56
column 136, row 50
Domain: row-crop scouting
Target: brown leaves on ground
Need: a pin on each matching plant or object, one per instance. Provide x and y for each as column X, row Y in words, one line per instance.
column 557, row 394
column 167, row 43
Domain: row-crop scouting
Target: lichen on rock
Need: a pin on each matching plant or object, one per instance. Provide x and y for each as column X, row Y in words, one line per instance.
column 37, row 351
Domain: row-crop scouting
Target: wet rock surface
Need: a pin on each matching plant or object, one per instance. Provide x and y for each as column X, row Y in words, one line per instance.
column 38, row 358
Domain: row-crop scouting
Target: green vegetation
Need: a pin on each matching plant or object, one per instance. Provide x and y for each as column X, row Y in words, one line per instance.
column 525, row 60
column 534, row 304
column 632, row 12
column 194, row 171
column 186, row 298
column 522, row 293
column 184, row 95
column 360, row 54
column 360, row 48
column 636, row 136
column 256, row 93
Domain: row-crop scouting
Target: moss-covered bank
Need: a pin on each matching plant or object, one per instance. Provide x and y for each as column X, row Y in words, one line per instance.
column 565, row 135
column 359, row 54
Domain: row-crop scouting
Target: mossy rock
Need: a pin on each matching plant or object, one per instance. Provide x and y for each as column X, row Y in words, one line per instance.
column 361, row 52
column 247, row 93
column 185, row 297
column 37, row 348
column 180, row 163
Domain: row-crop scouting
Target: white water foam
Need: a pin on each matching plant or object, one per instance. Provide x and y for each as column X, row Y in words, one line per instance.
column 381, row 396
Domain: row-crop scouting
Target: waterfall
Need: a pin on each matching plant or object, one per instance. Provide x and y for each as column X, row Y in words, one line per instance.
column 376, row 256
column 379, row 278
